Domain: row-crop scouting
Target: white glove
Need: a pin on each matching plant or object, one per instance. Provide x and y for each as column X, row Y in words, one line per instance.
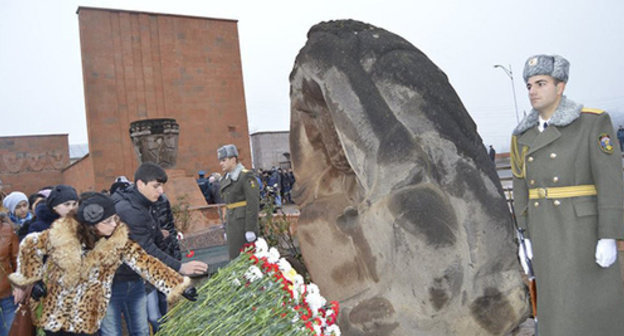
column 250, row 236
column 606, row 252
column 529, row 253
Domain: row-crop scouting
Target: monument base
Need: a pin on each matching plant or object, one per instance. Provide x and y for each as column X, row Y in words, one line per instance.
column 183, row 192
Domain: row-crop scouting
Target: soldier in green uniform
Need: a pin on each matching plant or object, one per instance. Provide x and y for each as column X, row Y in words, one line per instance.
column 569, row 196
column 241, row 194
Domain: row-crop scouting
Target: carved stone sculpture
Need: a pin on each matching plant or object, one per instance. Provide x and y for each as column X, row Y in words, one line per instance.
column 57, row 159
column 156, row 140
column 13, row 161
column 36, row 161
column 403, row 217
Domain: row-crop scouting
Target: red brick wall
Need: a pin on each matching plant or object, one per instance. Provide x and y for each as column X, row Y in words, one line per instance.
column 28, row 163
column 80, row 175
column 142, row 65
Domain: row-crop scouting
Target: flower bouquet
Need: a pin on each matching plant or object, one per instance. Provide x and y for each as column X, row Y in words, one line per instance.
column 258, row 293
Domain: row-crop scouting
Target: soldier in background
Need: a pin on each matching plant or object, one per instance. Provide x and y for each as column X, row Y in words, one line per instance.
column 568, row 194
column 240, row 193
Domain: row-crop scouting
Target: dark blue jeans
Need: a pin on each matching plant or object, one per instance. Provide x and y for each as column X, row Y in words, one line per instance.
column 127, row 298
column 8, row 313
column 155, row 308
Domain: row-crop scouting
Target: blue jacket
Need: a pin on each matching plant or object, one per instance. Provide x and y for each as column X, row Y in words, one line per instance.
column 43, row 218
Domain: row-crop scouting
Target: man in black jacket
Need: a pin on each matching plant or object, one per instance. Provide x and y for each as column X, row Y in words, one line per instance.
column 134, row 206
column 157, row 301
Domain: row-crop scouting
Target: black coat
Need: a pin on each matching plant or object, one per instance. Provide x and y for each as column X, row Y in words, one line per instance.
column 214, row 192
column 162, row 212
column 43, row 219
column 136, row 211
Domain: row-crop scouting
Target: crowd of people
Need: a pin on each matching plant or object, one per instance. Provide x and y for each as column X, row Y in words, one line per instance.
column 274, row 183
column 88, row 259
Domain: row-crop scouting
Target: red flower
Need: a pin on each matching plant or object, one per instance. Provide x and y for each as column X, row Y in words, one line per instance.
column 335, row 306
column 190, row 254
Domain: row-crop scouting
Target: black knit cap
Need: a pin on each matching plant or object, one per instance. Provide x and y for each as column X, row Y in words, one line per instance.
column 61, row 194
column 96, row 209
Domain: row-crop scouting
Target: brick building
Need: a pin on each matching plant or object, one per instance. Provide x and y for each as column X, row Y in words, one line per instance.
column 30, row 162
column 140, row 65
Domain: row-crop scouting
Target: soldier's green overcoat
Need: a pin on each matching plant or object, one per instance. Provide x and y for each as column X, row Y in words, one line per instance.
column 240, row 185
column 575, row 295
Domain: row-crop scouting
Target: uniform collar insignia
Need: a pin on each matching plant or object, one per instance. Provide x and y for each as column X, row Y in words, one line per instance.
column 566, row 113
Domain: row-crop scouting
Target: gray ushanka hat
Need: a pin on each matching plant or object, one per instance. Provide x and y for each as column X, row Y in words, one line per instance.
column 227, row 151
column 551, row 65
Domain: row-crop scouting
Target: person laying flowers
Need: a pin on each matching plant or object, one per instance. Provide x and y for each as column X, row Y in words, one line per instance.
column 84, row 250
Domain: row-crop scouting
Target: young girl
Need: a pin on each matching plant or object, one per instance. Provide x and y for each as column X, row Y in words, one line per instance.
column 83, row 251
column 17, row 204
column 61, row 201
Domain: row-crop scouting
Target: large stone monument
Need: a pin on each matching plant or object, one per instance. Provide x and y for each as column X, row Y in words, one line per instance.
column 403, row 217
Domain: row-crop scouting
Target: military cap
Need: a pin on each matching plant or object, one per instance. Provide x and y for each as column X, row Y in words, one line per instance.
column 551, row 65
column 227, row 151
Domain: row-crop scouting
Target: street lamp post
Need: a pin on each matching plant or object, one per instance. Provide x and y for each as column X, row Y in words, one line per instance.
column 509, row 73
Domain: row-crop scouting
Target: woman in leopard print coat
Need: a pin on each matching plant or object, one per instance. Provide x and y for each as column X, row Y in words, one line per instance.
column 83, row 253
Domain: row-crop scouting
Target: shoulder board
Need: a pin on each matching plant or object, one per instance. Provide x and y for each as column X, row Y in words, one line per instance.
column 592, row 110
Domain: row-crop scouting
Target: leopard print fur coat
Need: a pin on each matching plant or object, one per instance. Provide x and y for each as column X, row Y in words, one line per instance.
column 79, row 281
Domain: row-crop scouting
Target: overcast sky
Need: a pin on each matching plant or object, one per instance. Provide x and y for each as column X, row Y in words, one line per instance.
column 41, row 71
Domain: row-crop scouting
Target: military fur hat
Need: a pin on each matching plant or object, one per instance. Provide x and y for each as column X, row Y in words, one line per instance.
column 227, row 151
column 551, row 65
